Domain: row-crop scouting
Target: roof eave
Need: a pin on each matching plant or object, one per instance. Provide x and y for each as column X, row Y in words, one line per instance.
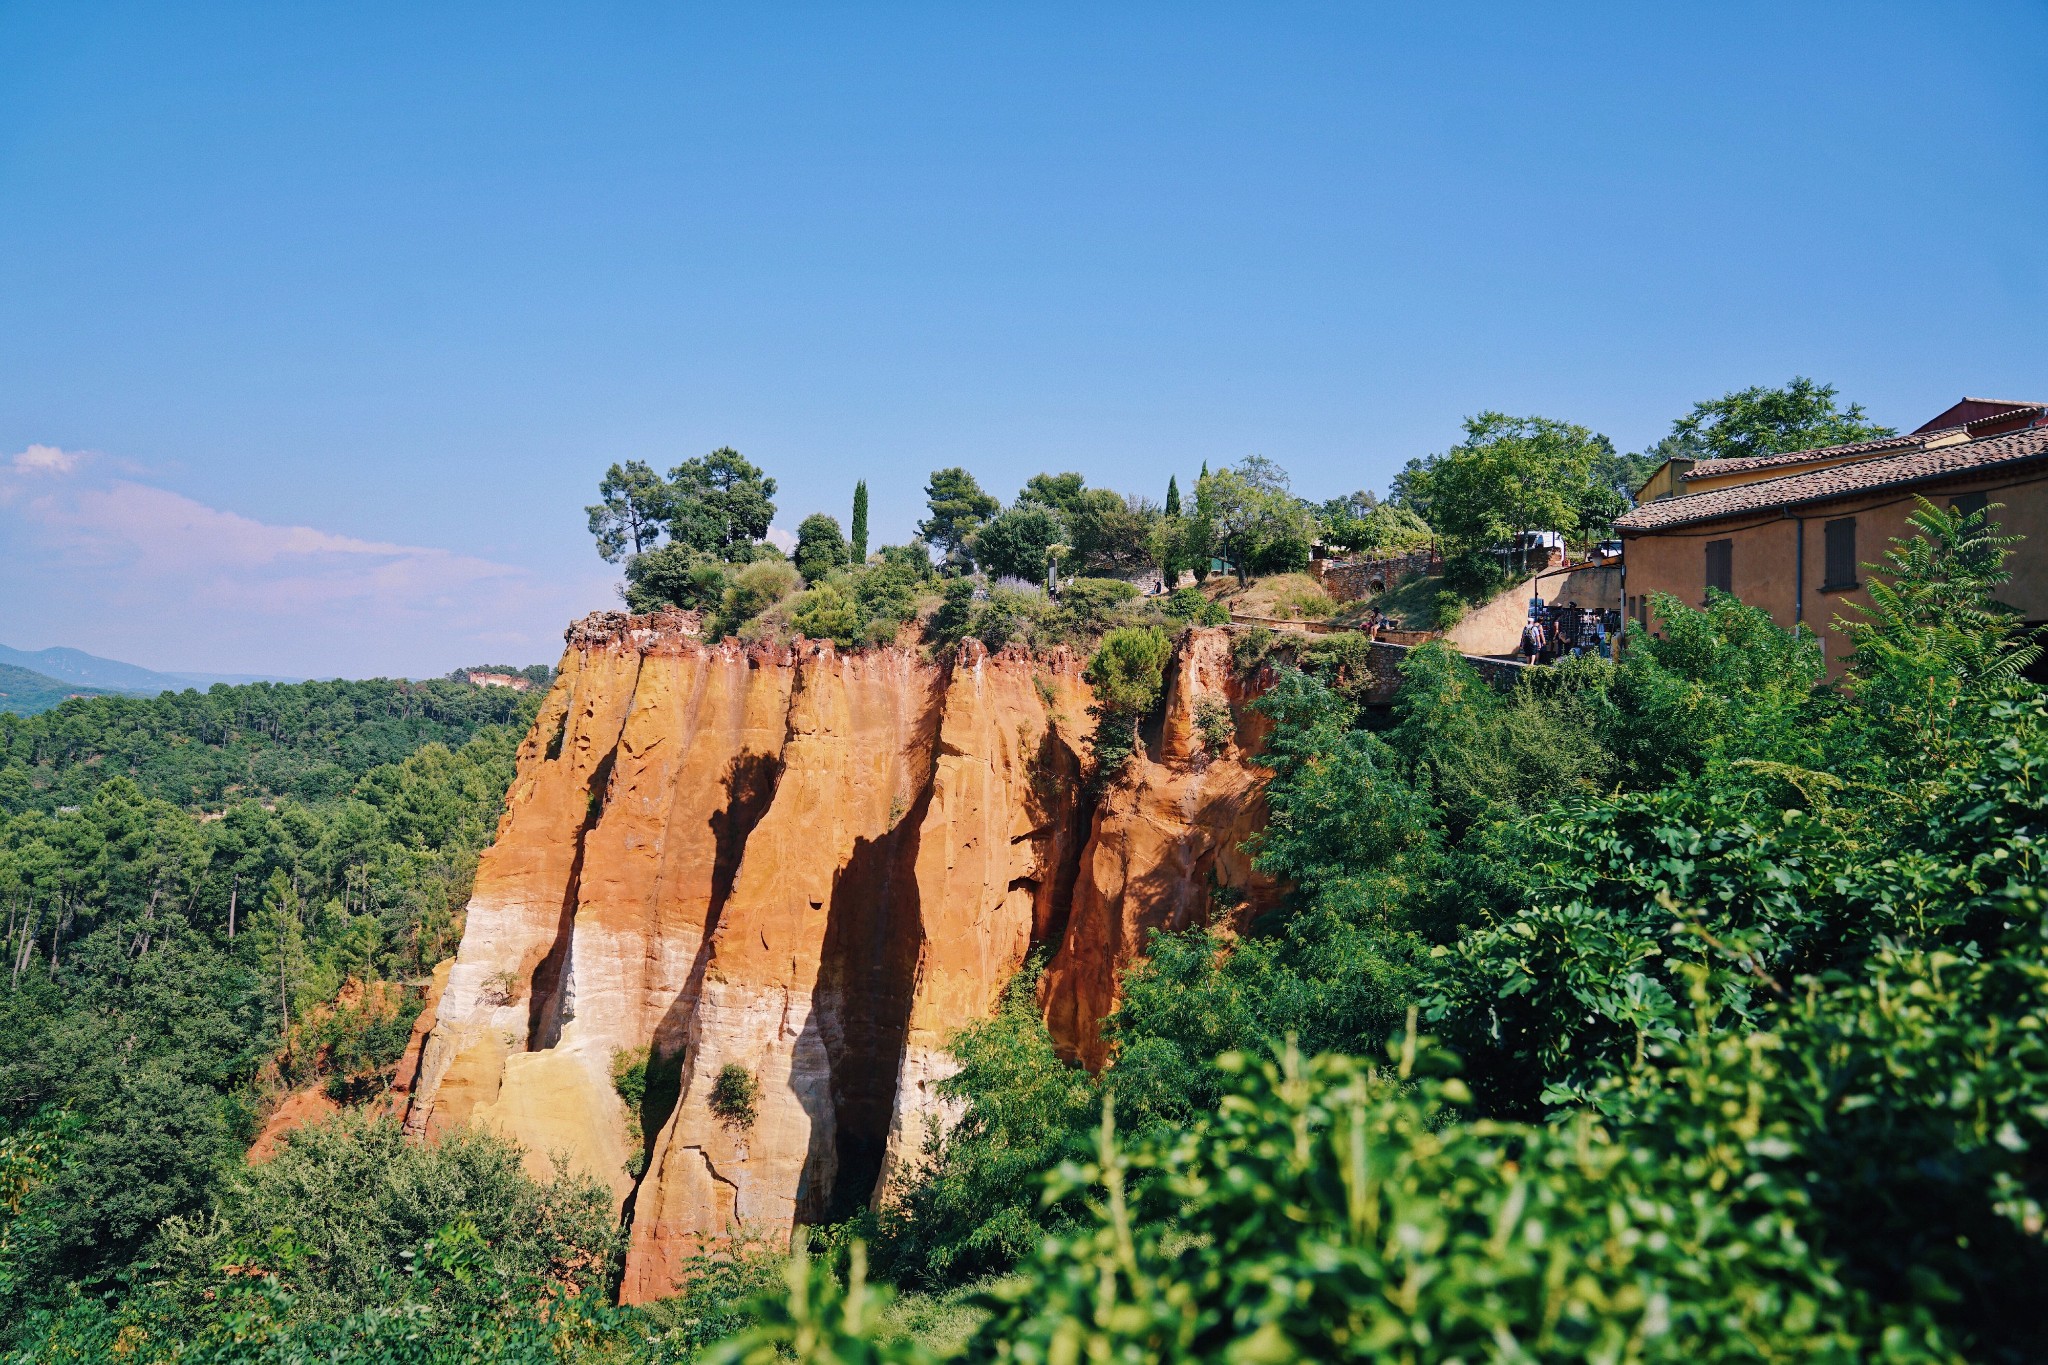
column 1784, row 508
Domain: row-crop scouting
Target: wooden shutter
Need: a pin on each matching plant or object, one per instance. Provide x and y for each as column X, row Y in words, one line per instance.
column 1721, row 565
column 1841, row 555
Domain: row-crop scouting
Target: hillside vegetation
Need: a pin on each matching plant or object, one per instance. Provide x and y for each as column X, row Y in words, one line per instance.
column 309, row 741
column 25, row 692
column 186, row 884
column 1684, row 1008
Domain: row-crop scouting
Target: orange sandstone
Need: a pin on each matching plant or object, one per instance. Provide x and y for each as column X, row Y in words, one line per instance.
column 811, row 866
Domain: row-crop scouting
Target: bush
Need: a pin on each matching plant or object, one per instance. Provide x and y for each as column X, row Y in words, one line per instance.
column 341, row 1210
column 1192, row 607
column 754, row 589
column 828, row 612
column 974, row 1209
column 1330, row 1210
column 675, row 576
column 1012, row 615
column 886, row 595
column 1215, row 724
column 733, row 1095
column 1127, row 673
column 1090, row 606
column 954, row 620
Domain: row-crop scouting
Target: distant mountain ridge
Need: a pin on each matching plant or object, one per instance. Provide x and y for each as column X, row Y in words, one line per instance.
column 90, row 672
column 25, row 691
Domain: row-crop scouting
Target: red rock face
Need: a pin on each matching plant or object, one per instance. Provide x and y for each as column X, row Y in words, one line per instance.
column 810, row 868
column 1165, row 848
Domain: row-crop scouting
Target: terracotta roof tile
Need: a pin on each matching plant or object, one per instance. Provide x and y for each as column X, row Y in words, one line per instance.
column 1712, row 469
column 1822, row 485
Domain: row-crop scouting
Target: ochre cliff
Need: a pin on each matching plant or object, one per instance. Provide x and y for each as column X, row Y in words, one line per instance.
column 812, row 866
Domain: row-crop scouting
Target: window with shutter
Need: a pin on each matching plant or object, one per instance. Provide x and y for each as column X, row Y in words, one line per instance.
column 1968, row 504
column 1841, row 556
column 1721, row 565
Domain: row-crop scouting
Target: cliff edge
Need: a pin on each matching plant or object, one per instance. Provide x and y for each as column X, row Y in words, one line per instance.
column 801, row 869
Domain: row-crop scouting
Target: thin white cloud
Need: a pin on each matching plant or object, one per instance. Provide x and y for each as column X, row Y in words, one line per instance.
column 112, row 556
column 782, row 540
column 47, row 460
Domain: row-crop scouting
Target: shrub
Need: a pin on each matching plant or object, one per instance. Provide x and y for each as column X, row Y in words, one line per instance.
column 1213, row 720
column 1011, row 615
column 954, row 620
column 344, row 1206
column 1127, row 673
column 733, row 1095
column 1193, row 607
column 1305, row 600
column 828, row 612
column 1330, row 1210
column 753, row 589
column 1090, row 606
column 674, row 576
column 974, row 1208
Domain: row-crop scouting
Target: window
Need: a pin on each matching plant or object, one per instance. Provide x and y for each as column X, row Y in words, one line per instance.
column 1968, row 504
column 1840, row 573
column 1721, row 565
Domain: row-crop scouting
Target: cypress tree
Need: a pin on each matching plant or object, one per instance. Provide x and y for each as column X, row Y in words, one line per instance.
column 1170, row 565
column 859, row 538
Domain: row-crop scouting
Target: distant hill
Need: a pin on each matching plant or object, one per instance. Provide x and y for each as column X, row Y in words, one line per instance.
column 89, row 672
column 26, row 692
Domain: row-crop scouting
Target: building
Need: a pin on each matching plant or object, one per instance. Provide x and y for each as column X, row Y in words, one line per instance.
column 1791, row 533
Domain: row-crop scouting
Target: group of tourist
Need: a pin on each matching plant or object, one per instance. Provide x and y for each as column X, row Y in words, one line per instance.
column 1555, row 631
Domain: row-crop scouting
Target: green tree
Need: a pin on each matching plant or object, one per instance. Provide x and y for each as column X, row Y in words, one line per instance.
column 1111, row 531
column 1061, row 492
column 1172, row 496
column 958, row 508
column 720, row 504
column 633, row 505
column 1017, row 543
column 1509, row 475
column 820, row 548
column 1934, row 645
column 977, row 1211
column 1362, row 524
column 675, row 576
column 1248, row 515
column 1127, row 672
column 1624, row 474
column 1766, row 421
column 859, row 536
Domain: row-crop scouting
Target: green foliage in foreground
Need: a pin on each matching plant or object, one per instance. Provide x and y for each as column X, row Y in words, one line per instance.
column 1745, row 1059
column 1759, row 1010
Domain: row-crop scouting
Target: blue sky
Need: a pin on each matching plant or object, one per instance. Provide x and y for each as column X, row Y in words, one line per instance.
column 319, row 322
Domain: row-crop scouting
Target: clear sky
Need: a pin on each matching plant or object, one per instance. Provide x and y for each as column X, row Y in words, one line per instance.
column 318, row 323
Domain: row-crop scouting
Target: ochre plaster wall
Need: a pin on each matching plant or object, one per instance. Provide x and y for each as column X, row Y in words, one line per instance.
column 1764, row 564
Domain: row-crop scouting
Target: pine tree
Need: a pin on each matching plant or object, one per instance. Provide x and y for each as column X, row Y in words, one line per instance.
column 859, row 538
column 1172, row 496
